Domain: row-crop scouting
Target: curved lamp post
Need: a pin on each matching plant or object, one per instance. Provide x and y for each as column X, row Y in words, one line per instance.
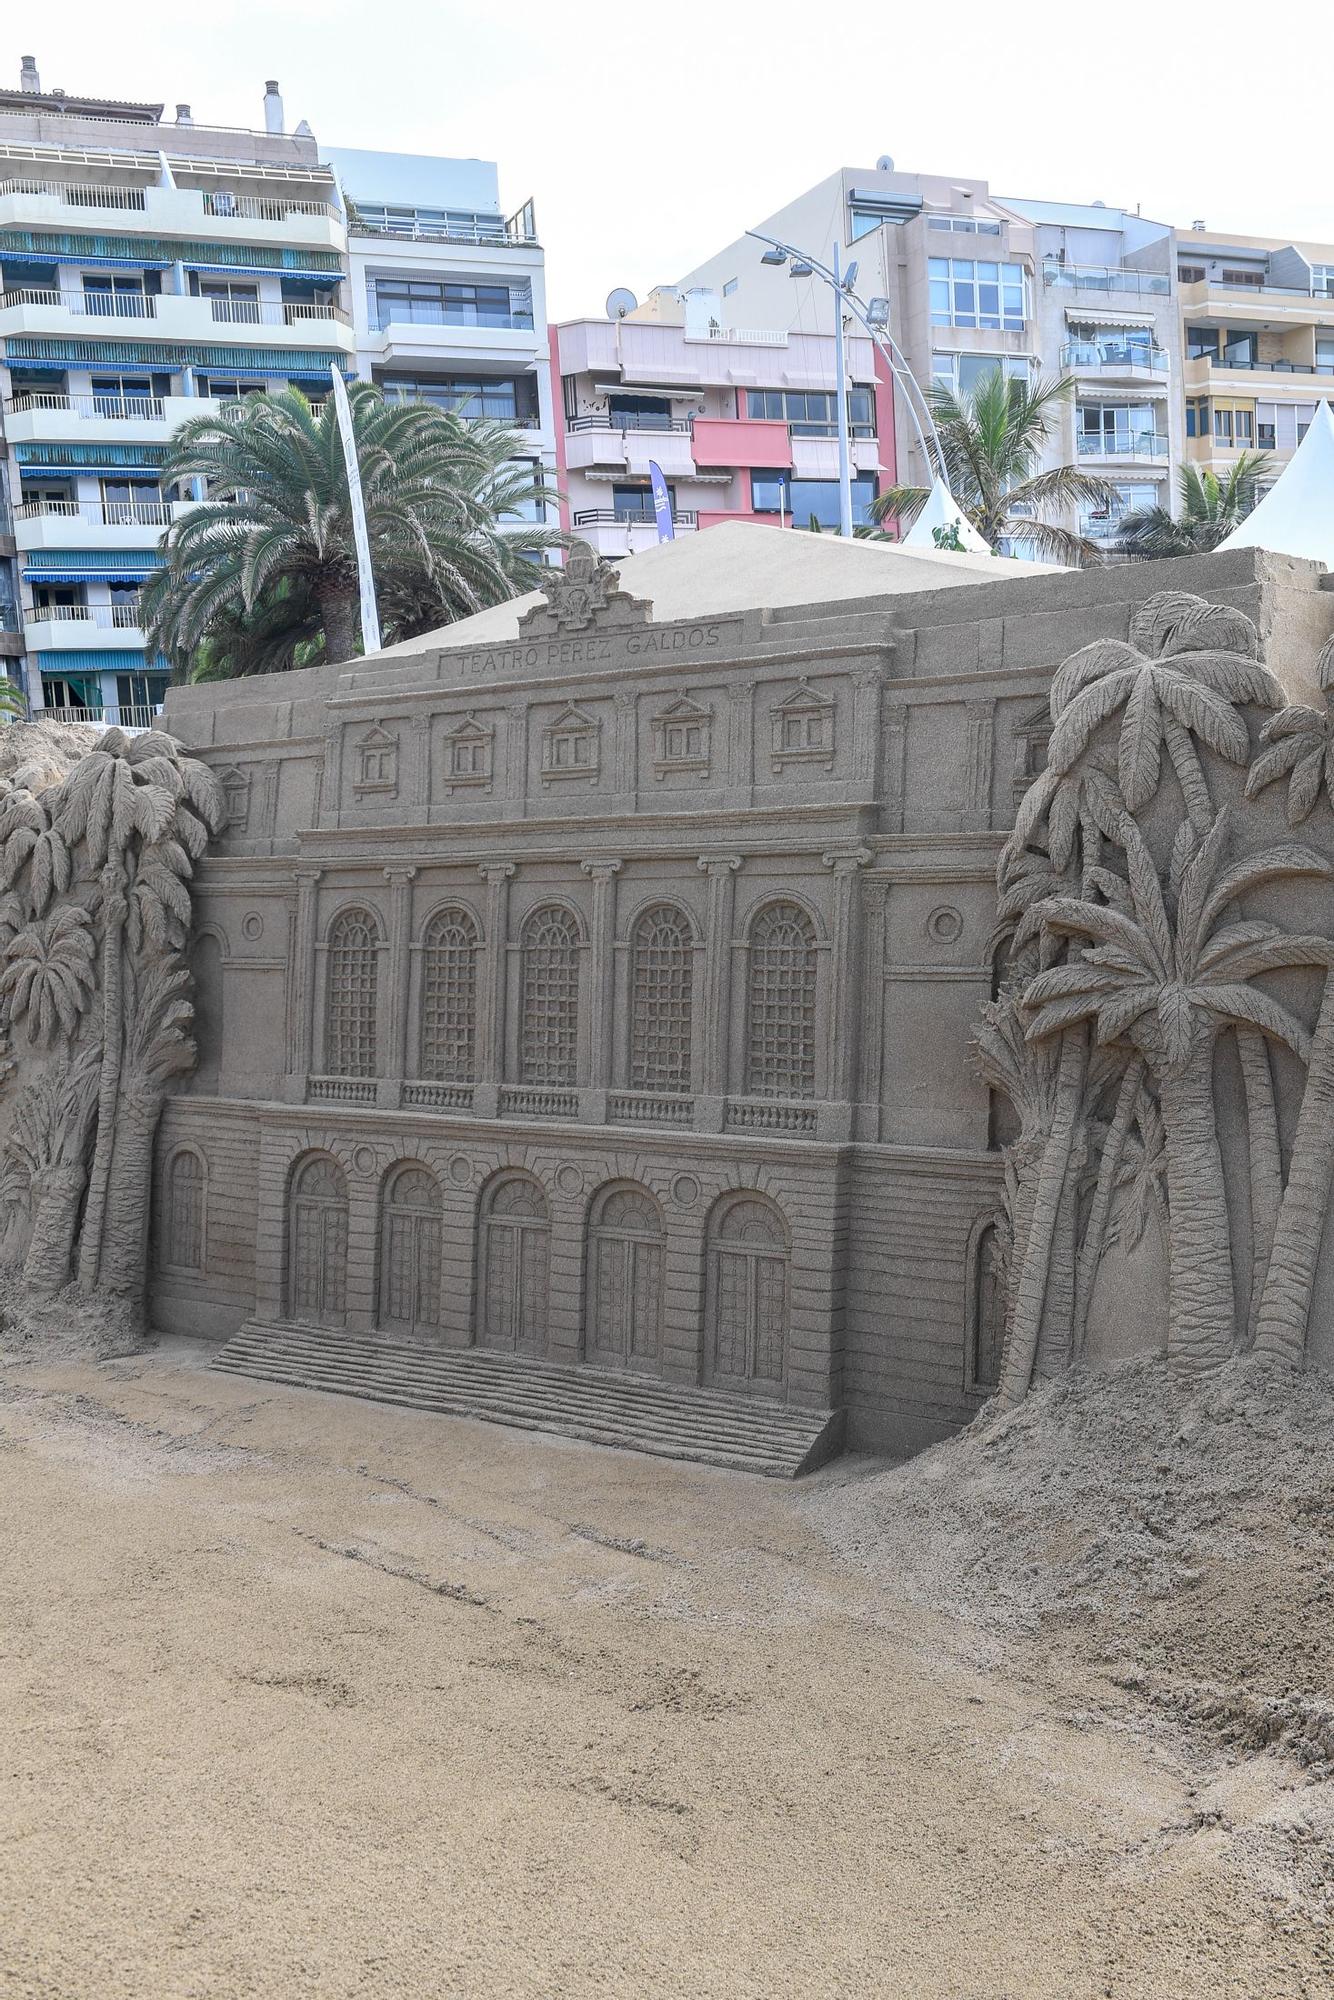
column 841, row 282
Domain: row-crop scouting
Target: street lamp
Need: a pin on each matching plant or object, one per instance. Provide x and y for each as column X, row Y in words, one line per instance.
column 874, row 319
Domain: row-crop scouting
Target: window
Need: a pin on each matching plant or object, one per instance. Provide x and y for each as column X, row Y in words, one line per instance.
column 802, row 728
column 571, row 747
column 1202, row 343
column 186, row 1195
column 1222, row 426
column 964, row 225
column 410, row 1252
column 681, row 737
column 121, row 298
column 513, row 1255
column 549, row 1017
column 449, row 997
column 229, row 388
column 1191, row 274
column 470, row 749
column 236, row 798
column 232, row 301
column 460, row 224
column 661, row 1000
column 747, row 1314
column 353, row 952
column 1281, row 426
column 813, row 412
column 1241, row 350
column 449, row 302
column 377, row 762
column 1243, row 276
column 625, row 1279
column 808, row 500
column 635, row 503
column 125, row 395
column 1197, row 418
column 861, row 221
column 964, row 293
column 1118, row 430
column 781, row 1007
column 961, row 373
column 1322, row 280
column 729, row 287
column 317, row 1244
column 1131, row 498
column 498, row 398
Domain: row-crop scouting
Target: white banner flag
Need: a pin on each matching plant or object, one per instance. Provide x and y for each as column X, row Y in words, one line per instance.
column 370, row 616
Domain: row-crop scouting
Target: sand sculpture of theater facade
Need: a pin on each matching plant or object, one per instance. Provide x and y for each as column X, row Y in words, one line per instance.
column 608, row 996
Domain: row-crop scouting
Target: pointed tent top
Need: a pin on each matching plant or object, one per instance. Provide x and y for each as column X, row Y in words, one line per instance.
column 941, row 510
column 1296, row 516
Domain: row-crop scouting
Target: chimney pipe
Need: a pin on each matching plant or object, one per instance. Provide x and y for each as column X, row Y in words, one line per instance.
column 273, row 108
column 28, row 77
column 183, row 115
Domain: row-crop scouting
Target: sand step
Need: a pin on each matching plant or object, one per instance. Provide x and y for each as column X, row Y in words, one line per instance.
column 637, row 1413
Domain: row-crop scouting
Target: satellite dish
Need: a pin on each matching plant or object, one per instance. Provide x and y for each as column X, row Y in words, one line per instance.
column 620, row 302
column 884, row 165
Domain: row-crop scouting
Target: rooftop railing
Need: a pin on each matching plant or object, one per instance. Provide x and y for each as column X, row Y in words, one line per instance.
column 738, row 336
column 1107, row 278
column 128, row 409
column 517, row 231
column 263, row 207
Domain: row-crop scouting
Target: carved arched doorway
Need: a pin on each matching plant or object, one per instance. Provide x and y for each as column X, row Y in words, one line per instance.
column 747, row 1313
column 514, row 1257
column 317, row 1243
column 625, row 1280
column 410, row 1252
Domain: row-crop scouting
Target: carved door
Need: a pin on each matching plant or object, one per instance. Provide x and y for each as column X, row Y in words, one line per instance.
column 515, row 1255
column 625, row 1282
column 317, row 1246
column 410, row 1254
column 748, row 1300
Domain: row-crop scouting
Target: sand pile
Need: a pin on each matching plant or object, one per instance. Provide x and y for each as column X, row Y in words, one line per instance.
column 1177, row 1536
column 74, row 1325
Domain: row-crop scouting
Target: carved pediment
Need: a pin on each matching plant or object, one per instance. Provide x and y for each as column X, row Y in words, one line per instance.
column 469, row 752
column 682, row 737
column 583, row 594
column 802, row 727
column 572, row 746
column 375, row 762
column 236, row 796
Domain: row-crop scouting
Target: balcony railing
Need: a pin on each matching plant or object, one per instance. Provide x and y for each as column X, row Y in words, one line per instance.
column 519, row 231
column 629, row 420
column 129, row 409
column 136, row 715
column 738, row 336
column 259, row 312
column 639, row 517
column 144, row 305
column 95, row 305
column 122, row 617
column 78, row 194
column 1113, row 355
column 1123, row 444
column 421, row 312
column 1107, row 278
column 1232, row 363
column 108, row 513
column 263, row 207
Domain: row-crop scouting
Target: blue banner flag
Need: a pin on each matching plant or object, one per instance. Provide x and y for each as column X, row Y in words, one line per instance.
column 662, row 502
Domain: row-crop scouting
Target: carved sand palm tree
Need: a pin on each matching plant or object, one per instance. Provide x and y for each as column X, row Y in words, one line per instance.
column 45, row 1163
column 1165, row 980
column 158, row 1047
column 49, row 972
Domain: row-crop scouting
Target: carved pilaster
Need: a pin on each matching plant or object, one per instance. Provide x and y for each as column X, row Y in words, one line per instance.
column 516, row 751
column 714, row 1015
column 602, row 874
column 976, row 816
column 419, row 764
column 301, row 983
column 400, row 882
column 491, row 994
column 867, row 685
column 623, row 742
column 872, row 1024
column 742, row 755
column 844, row 965
column 895, row 764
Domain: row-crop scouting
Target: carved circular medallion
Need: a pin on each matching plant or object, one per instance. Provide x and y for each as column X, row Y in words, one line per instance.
column 684, row 1190
column 944, row 925
column 460, row 1169
column 569, row 1179
column 363, row 1160
column 252, row 925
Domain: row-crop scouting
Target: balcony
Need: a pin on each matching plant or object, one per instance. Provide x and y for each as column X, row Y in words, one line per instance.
column 628, row 442
column 172, row 316
column 1276, row 305
column 1107, row 278
column 107, row 524
column 55, row 628
column 515, row 232
column 294, row 221
column 1123, row 445
column 1115, row 360
column 611, row 531
column 1200, row 366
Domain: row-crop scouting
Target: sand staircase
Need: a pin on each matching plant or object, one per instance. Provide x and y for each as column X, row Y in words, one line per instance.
column 637, row 1413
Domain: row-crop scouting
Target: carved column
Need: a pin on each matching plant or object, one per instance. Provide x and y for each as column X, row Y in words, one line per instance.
column 395, row 1006
column 976, row 816
column 742, row 697
column 516, row 753
column 835, row 1115
column 872, row 1027
column 623, row 743
column 491, row 988
column 593, row 1101
column 713, row 1015
column 867, row 683
column 895, row 764
column 419, row 768
column 301, row 986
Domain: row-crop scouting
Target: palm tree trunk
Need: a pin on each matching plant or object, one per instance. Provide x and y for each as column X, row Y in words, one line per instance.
column 340, row 612
column 125, row 1265
column 46, row 1267
column 1021, row 1342
column 1285, row 1305
column 1266, row 1161
column 1201, row 1299
column 1090, row 1250
column 113, row 1036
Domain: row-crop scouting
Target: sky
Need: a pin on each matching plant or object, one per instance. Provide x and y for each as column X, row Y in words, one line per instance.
column 650, row 137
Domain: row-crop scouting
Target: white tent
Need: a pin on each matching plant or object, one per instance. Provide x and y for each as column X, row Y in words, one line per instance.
column 942, row 511
column 1296, row 516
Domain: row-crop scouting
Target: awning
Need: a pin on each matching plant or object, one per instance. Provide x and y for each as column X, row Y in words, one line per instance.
column 1086, row 316
column 79, row 565
column 664, row 395
column 101, row 263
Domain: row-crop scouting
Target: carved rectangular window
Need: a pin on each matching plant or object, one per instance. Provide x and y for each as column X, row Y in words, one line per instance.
column 803, row 729
column 682, row 738
column 376, row 762
column 571, row 747
column 183, row 1235
column 470, row 754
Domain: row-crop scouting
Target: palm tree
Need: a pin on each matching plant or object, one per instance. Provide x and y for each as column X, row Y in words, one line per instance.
column 992, row 437
column 1165, row 979
column 45, row 1163
column 158, row 1046
column 443, row 497
column 1210, row 509
column 49, row 973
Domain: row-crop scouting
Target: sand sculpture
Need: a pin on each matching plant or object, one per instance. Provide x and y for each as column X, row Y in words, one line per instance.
column 1164, row 1029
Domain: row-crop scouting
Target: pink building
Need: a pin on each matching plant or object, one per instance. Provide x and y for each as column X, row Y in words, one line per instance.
column 741, row 421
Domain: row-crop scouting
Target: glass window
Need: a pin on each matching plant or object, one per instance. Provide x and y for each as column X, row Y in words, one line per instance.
column 977, row 294
column 961, row 373
column 471, row 397
column 861, row 221
column 447, row 302
column 813, row 412
column 809, row 499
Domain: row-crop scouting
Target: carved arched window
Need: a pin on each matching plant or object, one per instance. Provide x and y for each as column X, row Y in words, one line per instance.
column 747, row 1319
column 625, row 1279
column 353, row 972
column 780, row 1058
column 185, row 1212
column 513, row 1259
column 317, row 1243
column 986, row 1308
column 661, row 994
column 549, row 1021
column 410, row 1223
column 449, row 997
